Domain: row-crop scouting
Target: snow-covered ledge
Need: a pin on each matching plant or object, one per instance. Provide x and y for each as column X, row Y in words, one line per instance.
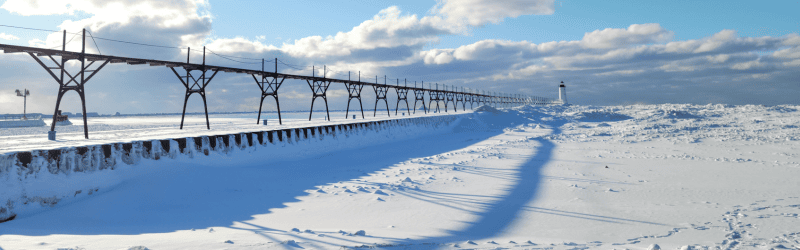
column 35, row 180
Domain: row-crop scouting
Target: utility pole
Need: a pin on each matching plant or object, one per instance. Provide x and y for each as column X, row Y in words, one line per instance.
column 24, row 95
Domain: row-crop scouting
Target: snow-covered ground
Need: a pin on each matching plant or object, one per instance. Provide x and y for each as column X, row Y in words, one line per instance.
column 554, row 177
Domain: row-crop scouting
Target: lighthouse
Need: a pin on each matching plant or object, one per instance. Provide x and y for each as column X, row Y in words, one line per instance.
column 562, row 93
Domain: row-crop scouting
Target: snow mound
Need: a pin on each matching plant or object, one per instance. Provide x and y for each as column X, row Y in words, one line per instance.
column 360, row 233
column 492, row 121
column 782, row 109
column 601, row 116
column 678, row 114
column 487, row 108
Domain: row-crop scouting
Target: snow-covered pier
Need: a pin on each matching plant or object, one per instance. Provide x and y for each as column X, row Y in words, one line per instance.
column 37, row 177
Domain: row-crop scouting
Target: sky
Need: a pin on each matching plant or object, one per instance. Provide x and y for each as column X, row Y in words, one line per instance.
column 606, row 52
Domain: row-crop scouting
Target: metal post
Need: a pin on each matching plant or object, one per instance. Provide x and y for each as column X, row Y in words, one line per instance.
column 186, row 96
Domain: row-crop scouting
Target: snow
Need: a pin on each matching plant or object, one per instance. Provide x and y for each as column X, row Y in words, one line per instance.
column 21, row 123
column 114, row 129
column 675, row 176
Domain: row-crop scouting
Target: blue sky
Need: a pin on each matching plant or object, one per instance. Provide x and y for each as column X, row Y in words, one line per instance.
column 690, row 19
column 608, row 52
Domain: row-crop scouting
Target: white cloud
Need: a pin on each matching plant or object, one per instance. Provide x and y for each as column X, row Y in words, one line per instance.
column 747, row 65
column 436, row 56
column 721, row 58
column 9, row 37
column 388, row 29
column 621, row 72
column 789, row 53
column 37, row 43
column 481, row 12
column 794, row 63
column 633, row 35
column 170, row 23
column 716, row 41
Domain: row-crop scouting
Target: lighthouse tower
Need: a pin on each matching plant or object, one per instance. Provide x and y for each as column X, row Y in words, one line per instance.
column 562, row 93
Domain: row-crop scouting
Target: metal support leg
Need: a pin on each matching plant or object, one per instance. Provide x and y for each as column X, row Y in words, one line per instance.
column 55, row 113
column 259, row 109
column 347, row 110
column 205, row 107
column 277, row 103
column 312, row 107
column 185, row 100
column 362, row 107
